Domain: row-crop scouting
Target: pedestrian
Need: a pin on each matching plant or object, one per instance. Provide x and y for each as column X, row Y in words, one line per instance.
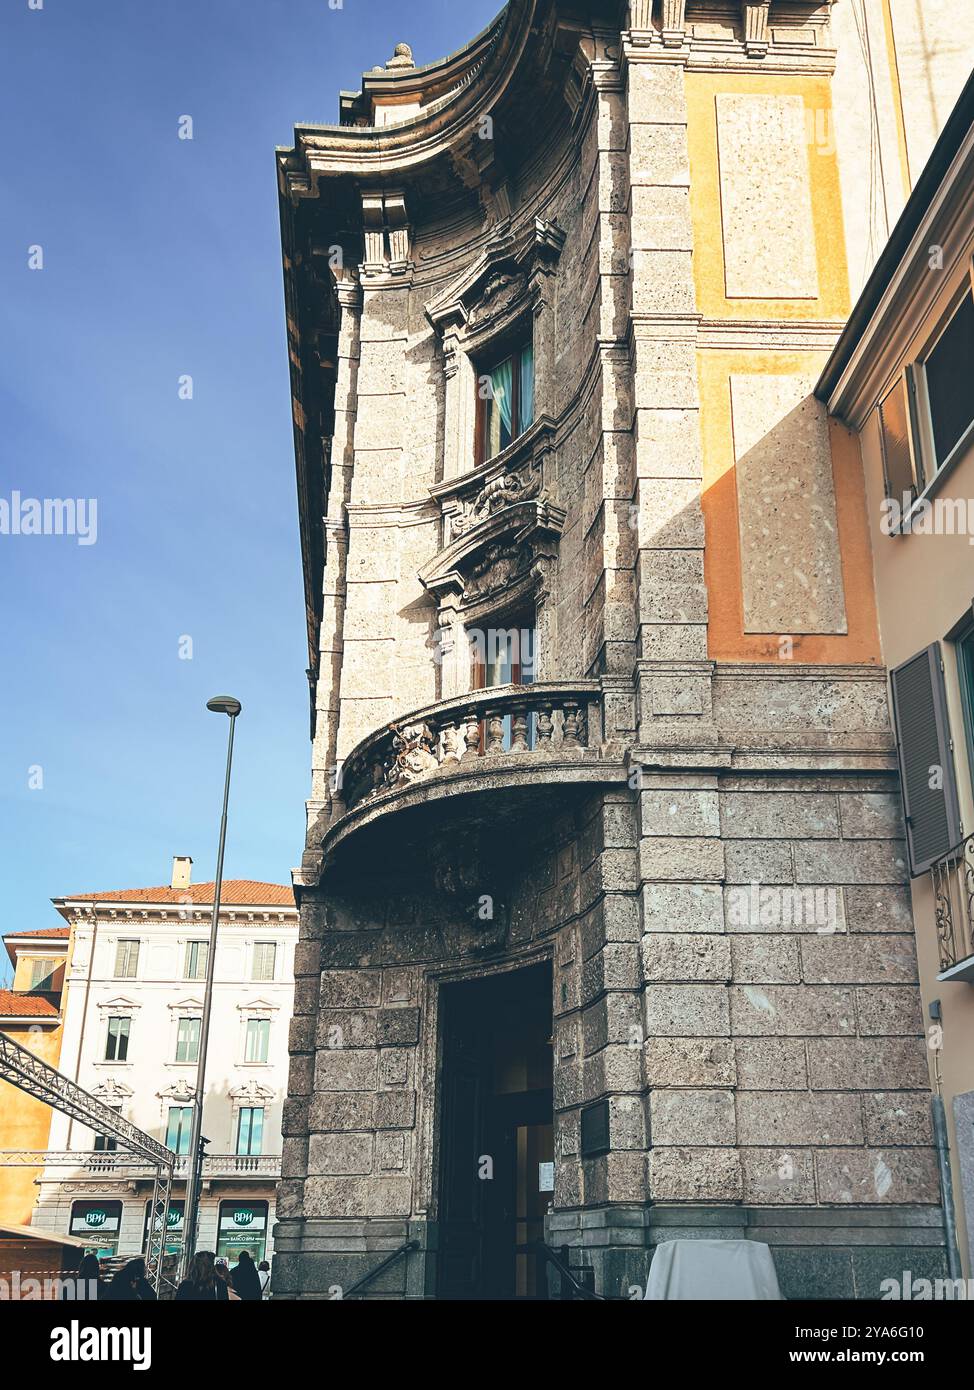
column 130, row 1285
column 86, row 1282
column 221, row 1269
column 201, row 1284
column 246, row 1280
column 264, row 1274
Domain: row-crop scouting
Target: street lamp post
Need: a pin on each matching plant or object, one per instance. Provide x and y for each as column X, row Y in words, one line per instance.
column 220, row 704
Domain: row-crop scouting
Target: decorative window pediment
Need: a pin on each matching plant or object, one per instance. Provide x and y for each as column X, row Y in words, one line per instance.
column 496, row 287
column 258, row 1007
column 187, row 1006
column 180, row 1091
column 121, row 1004
column 251, row 1094
column 112, row 1092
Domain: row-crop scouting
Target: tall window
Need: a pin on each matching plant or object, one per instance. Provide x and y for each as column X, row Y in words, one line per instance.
column 505, row 654
column 126, row 960
column 265, row 958
column 250, row 1130
column 949, row 373
column 106, row 1143
column 117, row 1041
column 178, row 1128
column 197, row 955
column 505, row 401
column 188, row 1040
column 965, row 666
column 258, row 1039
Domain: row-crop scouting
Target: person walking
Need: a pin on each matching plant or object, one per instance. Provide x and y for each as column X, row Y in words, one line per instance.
column 86, row 1282
column 264, row 1274
column 202, row 1283
column 130, row 1285
column 246, row 1280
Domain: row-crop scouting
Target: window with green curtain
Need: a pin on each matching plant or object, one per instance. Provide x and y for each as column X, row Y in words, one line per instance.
column 250, row 1130
column 506, row 400
column 258, row 1039
column 178, row 1128
column 188, row 1040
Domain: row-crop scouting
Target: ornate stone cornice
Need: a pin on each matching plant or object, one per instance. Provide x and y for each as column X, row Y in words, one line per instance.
column 501, row 270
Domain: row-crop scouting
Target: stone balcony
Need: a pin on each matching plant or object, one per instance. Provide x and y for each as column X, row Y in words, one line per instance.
column 247, row 1167
column 516, row 744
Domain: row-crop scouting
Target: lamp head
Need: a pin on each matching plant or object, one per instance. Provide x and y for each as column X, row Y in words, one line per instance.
column 224, row 704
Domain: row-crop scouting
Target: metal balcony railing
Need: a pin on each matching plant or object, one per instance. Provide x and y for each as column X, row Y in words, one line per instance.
column 953, row 887
column 501, row 726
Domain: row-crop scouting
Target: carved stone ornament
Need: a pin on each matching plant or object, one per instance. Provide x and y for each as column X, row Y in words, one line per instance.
column 500, row 279
column 179, row 1091
column 112, row 1092
column 251, row 1094
column 414, row 754
column 502, row 491
column 498, row 568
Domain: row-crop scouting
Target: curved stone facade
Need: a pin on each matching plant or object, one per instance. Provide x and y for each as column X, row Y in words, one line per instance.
column 686, row 824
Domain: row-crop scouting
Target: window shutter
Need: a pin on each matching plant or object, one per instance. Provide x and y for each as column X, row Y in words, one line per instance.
column 924, row 745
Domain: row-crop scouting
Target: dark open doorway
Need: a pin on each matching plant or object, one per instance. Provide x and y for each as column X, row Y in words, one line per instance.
column 497, row 1138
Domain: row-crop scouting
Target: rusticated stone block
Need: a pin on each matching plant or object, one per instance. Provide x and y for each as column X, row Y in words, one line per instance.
column 871, row 816
column 771, row 1064
column 758, row 861
column 337, row 1110
column 398, row 1026
column 778, row 1176
column 690, row 957
column 339, row 1154
column 615, row 1177
column 878, row 1063
column 877, row 1175
column 301, row 1074
column 879, row 908
column 778, row 816
column 290, row 1198
column 850, row 861
column 851, row 960
column 765, row 960
column 678, row 860
column 615, row 1018
column 338, row 1197
column 891, row 1011
column 616, row 966
column 897, row 1117
column 791, row 1010
column 394, row 1065
column 679, row 813
column 346, row 1069
column 613, row 1069
column 683, row 907
column 627, row 1122
column 301, row 1034
column 690, row 1118
column 690, row 1062
column 800, row 1118
column 695, row 1175
column 339, row 1028
column 394, row 1110
column 294, row 1116
column 350, row 989
column 687, row 1011
column 390, row 1152
column 294, row 1158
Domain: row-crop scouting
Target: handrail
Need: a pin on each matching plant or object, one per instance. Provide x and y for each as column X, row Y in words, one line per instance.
column 372, row 1274
column 551, row 1257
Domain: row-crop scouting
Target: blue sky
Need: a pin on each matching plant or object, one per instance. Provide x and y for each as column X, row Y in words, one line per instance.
column 161, row 258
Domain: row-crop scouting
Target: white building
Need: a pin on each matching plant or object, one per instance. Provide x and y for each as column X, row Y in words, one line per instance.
column 132, row 1016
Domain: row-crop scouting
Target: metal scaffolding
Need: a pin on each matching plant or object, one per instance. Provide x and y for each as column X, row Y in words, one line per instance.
column 28, row 1073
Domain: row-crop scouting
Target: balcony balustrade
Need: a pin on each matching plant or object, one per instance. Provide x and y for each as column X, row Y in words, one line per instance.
column 505, row 728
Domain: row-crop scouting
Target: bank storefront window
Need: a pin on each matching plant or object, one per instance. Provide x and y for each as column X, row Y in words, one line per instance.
column 243, row 1226
column 174, row 1228
column 98, row 1223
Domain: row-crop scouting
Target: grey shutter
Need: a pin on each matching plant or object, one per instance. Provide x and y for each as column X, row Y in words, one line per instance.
column 923, row 743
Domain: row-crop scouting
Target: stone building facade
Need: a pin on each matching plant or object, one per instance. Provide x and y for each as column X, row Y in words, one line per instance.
column 605, row 932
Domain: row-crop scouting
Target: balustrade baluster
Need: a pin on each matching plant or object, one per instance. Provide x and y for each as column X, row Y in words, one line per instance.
column 519, row 729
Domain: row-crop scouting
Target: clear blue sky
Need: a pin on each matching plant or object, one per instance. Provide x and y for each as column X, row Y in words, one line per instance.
column 161, row 258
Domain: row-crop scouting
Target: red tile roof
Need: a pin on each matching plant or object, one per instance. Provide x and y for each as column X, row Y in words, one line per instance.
column 23, row 1005
column 61, row 932
column 236, row 892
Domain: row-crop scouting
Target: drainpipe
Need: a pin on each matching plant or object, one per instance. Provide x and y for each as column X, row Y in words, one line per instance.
column 940, row 1139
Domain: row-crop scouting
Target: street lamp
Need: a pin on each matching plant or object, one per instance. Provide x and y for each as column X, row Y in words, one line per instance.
column 220, row 704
